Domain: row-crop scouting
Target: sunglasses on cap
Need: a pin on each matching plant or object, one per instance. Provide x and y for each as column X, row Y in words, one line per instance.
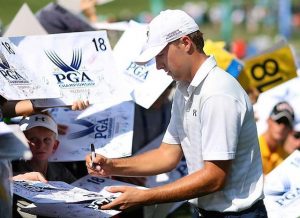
column 296, row 135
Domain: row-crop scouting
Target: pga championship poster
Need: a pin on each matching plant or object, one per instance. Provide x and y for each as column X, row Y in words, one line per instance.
column 81, row 64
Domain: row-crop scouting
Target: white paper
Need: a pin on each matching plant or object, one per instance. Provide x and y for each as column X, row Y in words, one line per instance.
column 110, row 130
column 147, row 82
column 20, row 78
column 282, row 188
column 79, row 210
column 53, row 192
column 13, row 143
column 81, row 65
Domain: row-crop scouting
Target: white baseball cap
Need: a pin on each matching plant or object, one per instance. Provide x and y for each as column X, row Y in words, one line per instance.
column 38, row 120
column 166, row 27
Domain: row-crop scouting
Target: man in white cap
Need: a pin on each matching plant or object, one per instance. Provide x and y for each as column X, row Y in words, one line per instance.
column 212, row 125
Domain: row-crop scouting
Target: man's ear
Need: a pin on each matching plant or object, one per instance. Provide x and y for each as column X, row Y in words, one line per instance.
column 187, row 42
column 55, row 146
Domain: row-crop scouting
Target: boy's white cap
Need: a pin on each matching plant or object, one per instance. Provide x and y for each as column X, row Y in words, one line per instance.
column 166, row 27
column 38, row 120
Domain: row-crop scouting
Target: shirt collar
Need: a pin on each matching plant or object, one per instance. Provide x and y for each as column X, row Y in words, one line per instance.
column 188, row 88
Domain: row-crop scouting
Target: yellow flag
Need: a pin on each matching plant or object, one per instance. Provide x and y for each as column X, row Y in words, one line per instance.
column 225, row 60
column 269, row 69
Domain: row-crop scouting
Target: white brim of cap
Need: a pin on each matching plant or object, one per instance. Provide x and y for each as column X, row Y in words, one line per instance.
column 25, row 127
column 149, row 53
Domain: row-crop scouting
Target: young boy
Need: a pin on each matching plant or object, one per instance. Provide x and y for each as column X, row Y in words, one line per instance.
column 41, row 133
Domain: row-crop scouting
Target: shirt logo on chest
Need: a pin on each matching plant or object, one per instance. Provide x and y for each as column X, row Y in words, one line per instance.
column 194, row 112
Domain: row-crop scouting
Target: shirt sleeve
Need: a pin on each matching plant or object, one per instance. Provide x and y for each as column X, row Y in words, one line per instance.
column 171, row 135
column 222, row 118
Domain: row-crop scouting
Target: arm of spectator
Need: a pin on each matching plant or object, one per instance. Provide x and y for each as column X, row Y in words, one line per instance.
column 88, row 8
column 33, row 176
column 18, row 108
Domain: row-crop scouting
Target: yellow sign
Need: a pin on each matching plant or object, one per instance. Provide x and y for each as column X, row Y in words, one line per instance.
column 269, row 69
column 225, row 60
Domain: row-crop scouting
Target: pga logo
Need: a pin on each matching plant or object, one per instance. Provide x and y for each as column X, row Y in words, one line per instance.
column 10, row 74
column 138, row 72
column 71, row 73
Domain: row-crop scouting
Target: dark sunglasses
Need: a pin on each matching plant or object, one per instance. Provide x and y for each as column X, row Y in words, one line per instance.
column 283, row 121
column 296, row 135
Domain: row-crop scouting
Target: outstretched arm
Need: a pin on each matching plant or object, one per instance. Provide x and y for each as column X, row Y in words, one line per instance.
column 209, row 179
column 160, row 160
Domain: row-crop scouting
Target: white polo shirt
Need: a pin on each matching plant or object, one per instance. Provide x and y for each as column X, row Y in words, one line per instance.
column 212, row 119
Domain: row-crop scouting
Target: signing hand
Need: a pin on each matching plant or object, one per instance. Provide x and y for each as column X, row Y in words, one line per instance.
column 101, row 166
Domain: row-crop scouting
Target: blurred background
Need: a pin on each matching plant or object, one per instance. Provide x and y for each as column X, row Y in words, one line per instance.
column 248, row 26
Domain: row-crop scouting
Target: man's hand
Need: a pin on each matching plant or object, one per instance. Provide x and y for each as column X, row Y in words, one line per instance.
column 80, row 105
column 130, row 197
column 33, row 176
column 101, row 166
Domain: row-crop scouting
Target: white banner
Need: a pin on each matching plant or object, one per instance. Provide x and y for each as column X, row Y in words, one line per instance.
column 18, row 79
column 147, row 82
column 110, row 130
column 282, row 188
column 81, row 64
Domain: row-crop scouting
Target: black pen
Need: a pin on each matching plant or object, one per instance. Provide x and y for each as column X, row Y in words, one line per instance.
column 93, row 154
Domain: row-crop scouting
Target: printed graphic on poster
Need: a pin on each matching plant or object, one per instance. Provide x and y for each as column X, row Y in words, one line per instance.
column 53, row 192
column 110, row 130
column 282, row 188
column 20, row 81
column 81, row 64
column 86, row 209
column 146, row 81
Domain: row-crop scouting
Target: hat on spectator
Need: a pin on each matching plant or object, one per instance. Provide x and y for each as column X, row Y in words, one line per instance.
column 283, row 110
column 166, row 27
column 36, row 120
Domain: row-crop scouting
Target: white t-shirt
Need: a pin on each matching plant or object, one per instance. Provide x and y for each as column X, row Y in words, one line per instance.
column 212, row 119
